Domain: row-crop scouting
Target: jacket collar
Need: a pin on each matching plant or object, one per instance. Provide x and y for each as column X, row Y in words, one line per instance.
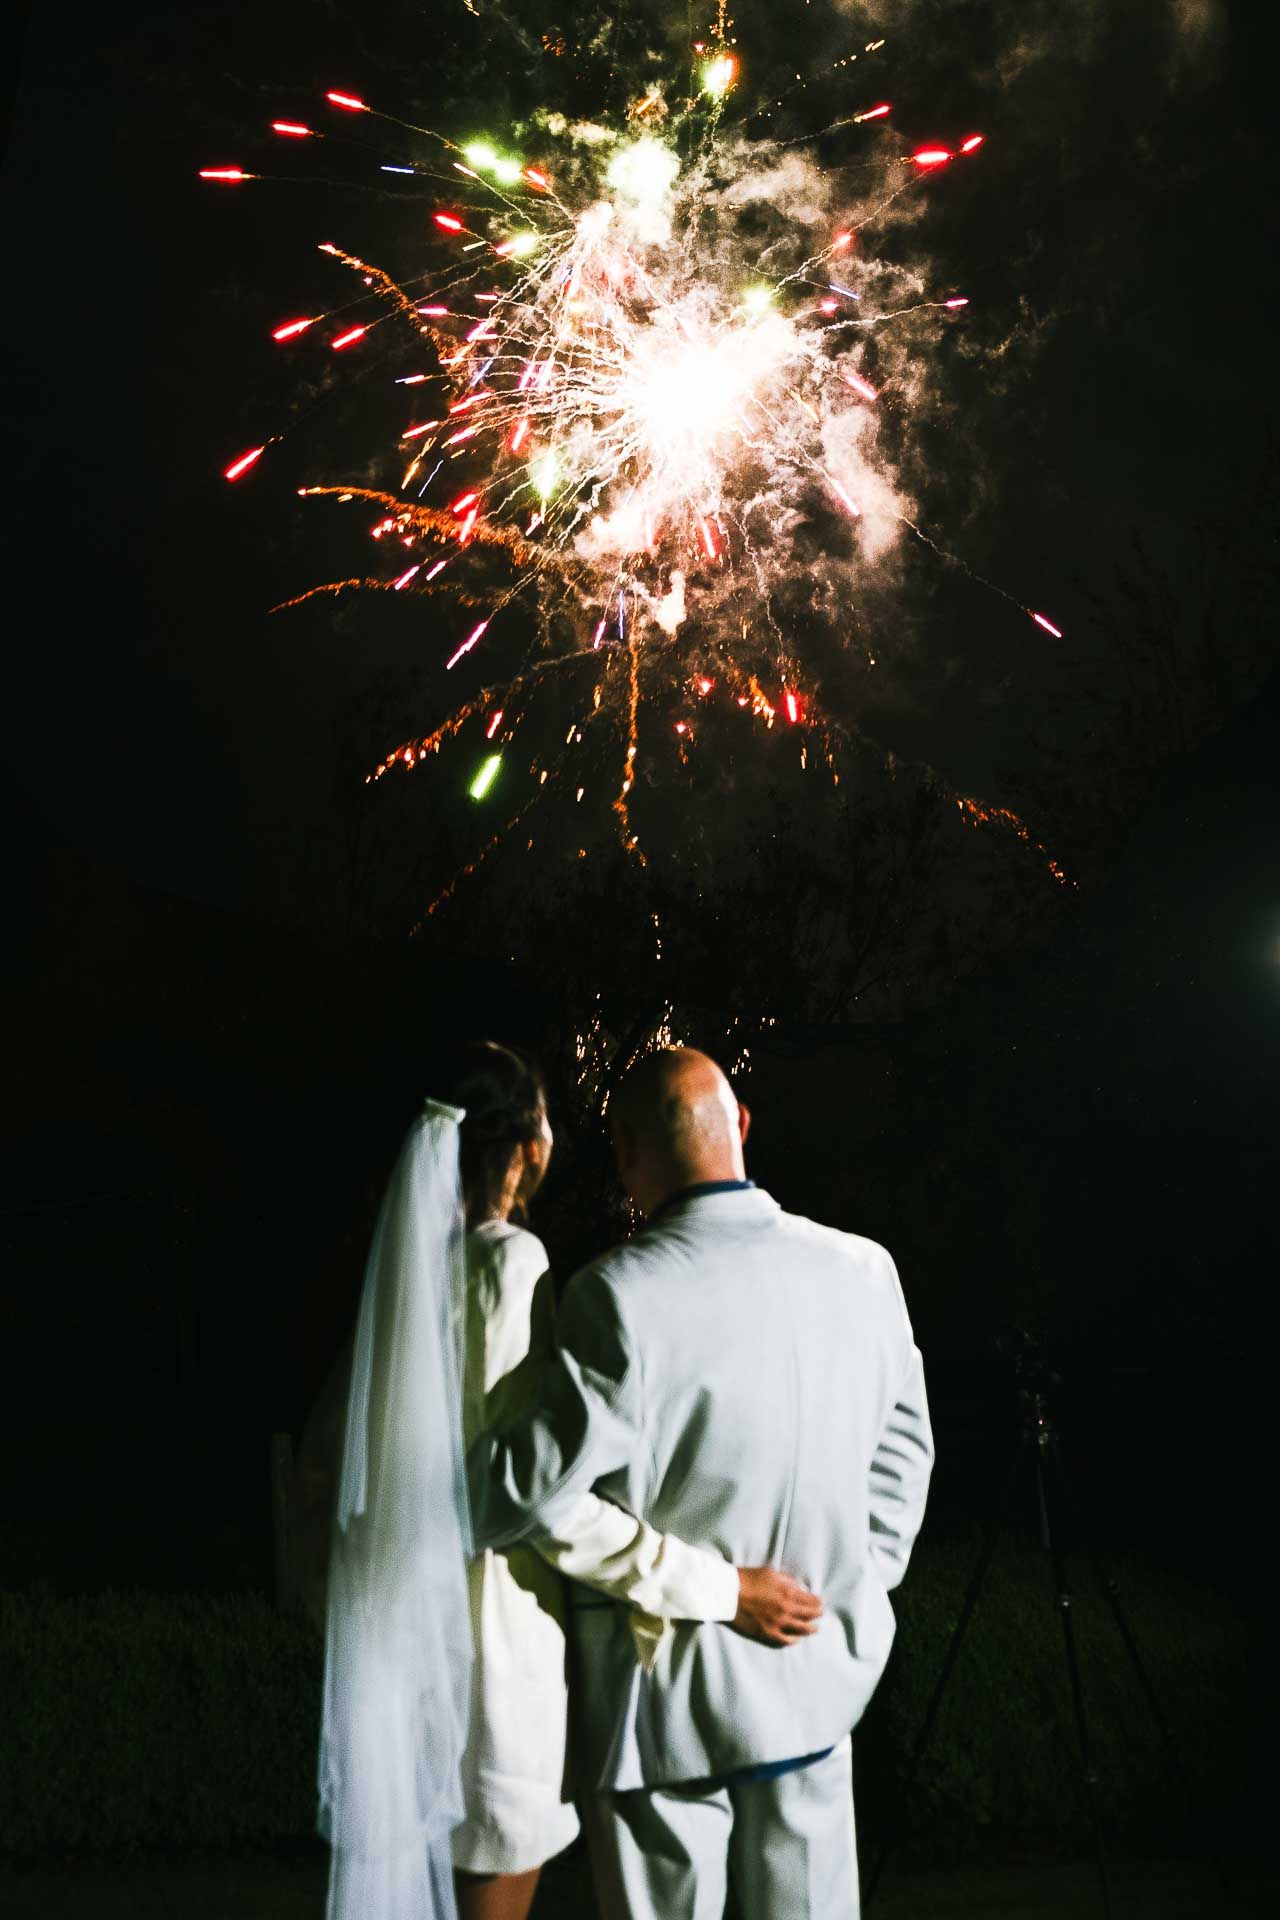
column 699, row 1191
column 715, row 1202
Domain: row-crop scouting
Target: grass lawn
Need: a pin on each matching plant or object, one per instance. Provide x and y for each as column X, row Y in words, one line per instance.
column 159, row 1752
column 266, row 1887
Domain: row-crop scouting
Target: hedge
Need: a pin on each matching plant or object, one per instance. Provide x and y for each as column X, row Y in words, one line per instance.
column 138, row 1721
column 1003, row 1761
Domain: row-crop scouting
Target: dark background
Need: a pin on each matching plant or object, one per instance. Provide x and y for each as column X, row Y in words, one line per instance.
column 1056, row 1105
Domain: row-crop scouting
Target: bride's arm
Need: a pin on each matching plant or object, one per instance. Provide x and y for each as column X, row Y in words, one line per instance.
column 607, row 1548
column 660, row 1575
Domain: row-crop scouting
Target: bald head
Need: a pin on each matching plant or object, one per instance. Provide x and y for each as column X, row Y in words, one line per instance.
column 675, row 1124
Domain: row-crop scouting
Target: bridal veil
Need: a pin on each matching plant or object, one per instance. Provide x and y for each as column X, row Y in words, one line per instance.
column 398, row 1634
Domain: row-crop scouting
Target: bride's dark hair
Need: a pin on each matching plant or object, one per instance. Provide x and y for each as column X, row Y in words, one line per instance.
column 504, row 1099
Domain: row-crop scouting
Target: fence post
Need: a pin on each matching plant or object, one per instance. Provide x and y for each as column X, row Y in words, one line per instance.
column 281, row 1489
column 183, row 1237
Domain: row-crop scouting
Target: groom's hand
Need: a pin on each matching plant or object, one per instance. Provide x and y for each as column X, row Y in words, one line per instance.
column 773, row 1608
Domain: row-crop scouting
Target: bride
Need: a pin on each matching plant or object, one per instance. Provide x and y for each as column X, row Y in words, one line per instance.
column 445, row 1703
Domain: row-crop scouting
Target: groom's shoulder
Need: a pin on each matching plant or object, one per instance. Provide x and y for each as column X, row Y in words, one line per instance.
column 852, row 1251
column 652, row 1252
column 613, row 1268
column 604, row 1287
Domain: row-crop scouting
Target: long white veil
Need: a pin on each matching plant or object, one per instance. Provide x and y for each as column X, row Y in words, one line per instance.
column 398, row 1632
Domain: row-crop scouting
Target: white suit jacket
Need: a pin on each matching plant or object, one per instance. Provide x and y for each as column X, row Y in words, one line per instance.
column 747, row 1380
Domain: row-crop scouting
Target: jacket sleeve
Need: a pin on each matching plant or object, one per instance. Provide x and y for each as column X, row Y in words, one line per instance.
column 900, row 1470
column 607, row 1548
column 584, row 1423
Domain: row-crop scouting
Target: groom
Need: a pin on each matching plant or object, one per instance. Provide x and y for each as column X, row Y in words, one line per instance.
column 749, row 1380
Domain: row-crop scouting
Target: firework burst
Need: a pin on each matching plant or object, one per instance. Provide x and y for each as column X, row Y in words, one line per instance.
column 656, row 363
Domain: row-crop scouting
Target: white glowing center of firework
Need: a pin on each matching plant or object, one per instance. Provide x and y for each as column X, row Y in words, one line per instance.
column 643, row 172
column 692, row 397
column 694, row 392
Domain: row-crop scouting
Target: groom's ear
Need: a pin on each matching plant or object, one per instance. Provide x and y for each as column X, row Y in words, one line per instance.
column 744, row 1122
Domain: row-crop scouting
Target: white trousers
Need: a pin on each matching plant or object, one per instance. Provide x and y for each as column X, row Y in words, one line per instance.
column 786, row 1846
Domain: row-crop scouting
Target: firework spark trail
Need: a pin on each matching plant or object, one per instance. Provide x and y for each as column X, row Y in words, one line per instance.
column 643, row 412
column 620, row 805
column 473, row 865
column 979, row 579
column 980, row 814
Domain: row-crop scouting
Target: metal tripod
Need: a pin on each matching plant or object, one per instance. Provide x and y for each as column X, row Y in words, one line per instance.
column 1038, row 1437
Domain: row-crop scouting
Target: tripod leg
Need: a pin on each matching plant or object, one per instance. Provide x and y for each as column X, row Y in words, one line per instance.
column 968, row 1606
column 1173, row 1758
column 1063, row 1597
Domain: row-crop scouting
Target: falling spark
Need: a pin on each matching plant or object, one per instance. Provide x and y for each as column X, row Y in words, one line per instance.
column 1048, row 625
column 974, row 141
column 859, row 385
column 718, row 75
column 486, row 776
column 872, row 113
column 291, row 127
column 405, row 578
column 854, row 509
column 793, row 707
column 243, row 464
column 226, row 174
column 466, row 646
column 931, row 156
column 955, row 303
column 448, row 221
column 347, row 100
column 346, row 339
column 291, row 328
column 493, row 725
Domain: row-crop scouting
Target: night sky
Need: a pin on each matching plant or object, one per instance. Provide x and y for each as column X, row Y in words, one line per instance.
column 1053, row 1103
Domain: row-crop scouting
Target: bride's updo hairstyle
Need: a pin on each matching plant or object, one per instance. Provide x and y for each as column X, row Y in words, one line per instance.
column 504, row 1099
